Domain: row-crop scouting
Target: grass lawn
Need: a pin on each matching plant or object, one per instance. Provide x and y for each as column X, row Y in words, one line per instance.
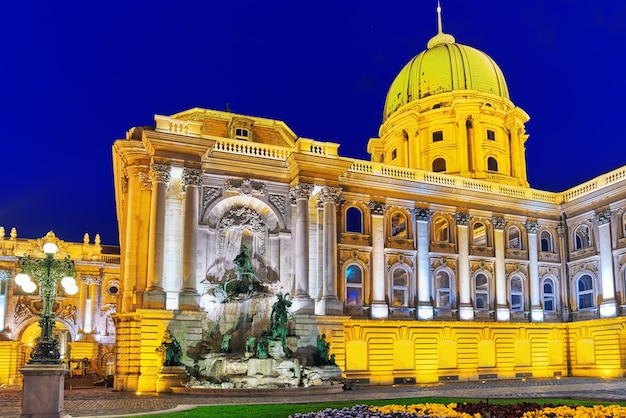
column 284, row 410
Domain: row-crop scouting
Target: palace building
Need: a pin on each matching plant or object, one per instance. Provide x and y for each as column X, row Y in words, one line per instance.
column 433, row 261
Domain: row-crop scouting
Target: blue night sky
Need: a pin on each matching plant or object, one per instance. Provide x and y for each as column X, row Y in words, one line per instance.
column 76, row 75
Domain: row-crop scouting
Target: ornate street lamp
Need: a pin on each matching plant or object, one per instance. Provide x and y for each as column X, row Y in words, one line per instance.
column 46, row 272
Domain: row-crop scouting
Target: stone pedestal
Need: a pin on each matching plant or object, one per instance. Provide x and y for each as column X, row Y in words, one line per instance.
column 170, row 376
column 42, row 391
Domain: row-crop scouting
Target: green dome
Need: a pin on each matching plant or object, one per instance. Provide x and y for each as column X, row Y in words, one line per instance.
column 444, row 67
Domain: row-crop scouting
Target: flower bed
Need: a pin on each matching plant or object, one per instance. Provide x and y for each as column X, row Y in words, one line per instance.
column 471, row 410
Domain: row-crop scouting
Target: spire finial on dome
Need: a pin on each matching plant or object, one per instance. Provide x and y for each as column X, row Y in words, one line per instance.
column 439, row 25
column 440, row 37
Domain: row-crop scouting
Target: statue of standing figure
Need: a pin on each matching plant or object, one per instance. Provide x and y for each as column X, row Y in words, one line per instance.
column 170, row 348
column 279, row 317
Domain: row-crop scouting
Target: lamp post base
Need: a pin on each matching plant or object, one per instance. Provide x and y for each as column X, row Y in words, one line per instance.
column 42, row 391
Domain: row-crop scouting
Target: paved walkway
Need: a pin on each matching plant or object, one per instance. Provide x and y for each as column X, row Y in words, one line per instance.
column 100, row 402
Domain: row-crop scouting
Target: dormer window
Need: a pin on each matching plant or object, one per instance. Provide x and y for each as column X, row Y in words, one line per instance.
column 242, row 133
column 241, row 129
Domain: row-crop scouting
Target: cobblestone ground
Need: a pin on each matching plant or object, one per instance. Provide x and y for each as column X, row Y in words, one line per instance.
column 99, row 402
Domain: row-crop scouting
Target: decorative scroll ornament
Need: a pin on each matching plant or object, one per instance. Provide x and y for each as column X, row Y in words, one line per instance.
column 246, row 187
column 209, row 194
column 191, row 177
column 243, row 217
column 498, row 222
column 422, row 214
column 377, row 208
column 279, row 202
column 160, row 172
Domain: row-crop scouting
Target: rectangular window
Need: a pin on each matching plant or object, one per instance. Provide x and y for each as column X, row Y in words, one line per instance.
column 437, row 136
column 491, row 135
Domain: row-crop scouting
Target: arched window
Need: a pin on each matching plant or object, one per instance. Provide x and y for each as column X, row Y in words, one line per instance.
column 546, row 241
column 443, row 292
column 514, row 238
column 517, row 294
column 441, row 229
column 581, row 237
column 479, row 234
column 398, row 225
column 400, row 287
column 492, row 164
column 354, row 220
column 439, row 165
column 354, row 285
column 584, row 290
column 549, row 295
column 481, row 291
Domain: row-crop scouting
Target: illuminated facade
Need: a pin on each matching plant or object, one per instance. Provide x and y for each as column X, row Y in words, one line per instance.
column 433, row 261
column 84, row 326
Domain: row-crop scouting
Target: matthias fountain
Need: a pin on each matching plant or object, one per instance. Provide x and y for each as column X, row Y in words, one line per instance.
column 247, row 344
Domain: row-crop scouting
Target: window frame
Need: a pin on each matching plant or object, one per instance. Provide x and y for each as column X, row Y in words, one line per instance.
column 551, row 296
column 485, row 292
column 406, row 289
column 437, row 136
column 438, row 290
column 359, row 286
column 437, row 166
column 549, row 240
column 350, row 220
column 516, row 293
column 585, row 293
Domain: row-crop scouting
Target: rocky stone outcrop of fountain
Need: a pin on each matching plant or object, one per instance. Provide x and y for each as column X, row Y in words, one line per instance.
column 247, row 341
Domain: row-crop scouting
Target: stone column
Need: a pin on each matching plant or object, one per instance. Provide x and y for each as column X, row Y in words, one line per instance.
column 608, row 307
column 191, row 180
column 83, row 289
column 154, row 297
column 379, row 306
column 129, row 257
column 564, row 289
column 536, row 310
column 302, row 302
column 466, row 310
column 330, row 303
column 503, row 312
column 424, row 305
